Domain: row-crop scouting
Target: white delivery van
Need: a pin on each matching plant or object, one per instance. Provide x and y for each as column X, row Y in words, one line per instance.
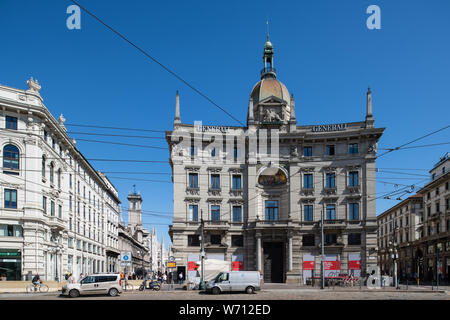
column 245, row 281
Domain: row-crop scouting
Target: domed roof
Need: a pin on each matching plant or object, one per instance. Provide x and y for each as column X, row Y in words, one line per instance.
column 269, row 87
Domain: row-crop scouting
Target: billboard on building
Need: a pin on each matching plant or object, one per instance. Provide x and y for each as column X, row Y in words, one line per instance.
column 237, row 262
column 332, row 265
column 354, row 264
column 308, row 267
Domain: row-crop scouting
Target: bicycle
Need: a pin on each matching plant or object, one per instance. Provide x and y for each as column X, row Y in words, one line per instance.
column 31, row 288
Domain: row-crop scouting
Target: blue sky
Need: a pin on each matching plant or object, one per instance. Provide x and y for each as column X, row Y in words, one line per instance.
column 324, row 54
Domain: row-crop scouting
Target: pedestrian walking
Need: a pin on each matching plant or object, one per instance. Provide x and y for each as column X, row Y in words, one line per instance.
column 81, row 277
column 180, row 278
column 71, row 278
column 164, row 278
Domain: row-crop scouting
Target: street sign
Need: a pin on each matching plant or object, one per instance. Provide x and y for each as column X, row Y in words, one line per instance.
column 171, row 264
column 125, row 258
column 171, row 258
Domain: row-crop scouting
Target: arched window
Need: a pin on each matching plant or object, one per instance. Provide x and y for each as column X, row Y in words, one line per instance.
column 43, row 166
column 11, row 157
column 52, row 171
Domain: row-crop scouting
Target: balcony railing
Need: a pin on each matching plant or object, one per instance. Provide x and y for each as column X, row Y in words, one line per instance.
column 268, row 70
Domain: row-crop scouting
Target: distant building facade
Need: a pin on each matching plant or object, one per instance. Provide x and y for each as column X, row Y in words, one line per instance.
column 265, row 215
column 420, row 226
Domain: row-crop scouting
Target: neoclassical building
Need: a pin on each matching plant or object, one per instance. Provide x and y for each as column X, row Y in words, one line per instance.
column 57, row 213
column 261, row 188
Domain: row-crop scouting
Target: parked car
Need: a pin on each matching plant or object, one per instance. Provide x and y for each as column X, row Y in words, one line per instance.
column 102, row 283
column 245, row 281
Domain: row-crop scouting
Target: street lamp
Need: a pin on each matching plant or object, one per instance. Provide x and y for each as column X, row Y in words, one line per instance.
column 56, row 251
column 394, row 255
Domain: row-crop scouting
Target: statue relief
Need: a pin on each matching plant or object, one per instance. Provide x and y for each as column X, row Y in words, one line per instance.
column 271, row 116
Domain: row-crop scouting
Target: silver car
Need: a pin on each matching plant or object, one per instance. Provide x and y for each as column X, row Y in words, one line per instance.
column 102, row 283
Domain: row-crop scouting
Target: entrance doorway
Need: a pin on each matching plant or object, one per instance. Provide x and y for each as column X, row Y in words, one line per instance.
column 180, row 270
column 273, row 262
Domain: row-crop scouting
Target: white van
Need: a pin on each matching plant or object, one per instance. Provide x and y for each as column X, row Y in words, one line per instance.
column 102, row 283
column 245, row 281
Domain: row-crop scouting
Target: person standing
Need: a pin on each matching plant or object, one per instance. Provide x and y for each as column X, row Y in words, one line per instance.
column 180, row 278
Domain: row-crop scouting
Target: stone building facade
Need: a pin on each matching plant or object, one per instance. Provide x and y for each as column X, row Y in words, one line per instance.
column 262, row 207
column 399, row 226
column 419, row 228
column 54, row 204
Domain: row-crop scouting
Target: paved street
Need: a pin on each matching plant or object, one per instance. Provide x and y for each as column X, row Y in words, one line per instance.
column 265, row 294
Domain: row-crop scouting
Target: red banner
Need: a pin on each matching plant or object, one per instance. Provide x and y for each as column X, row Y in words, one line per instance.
column 354, row 265
column 308, row 265
column 192, row 266
column 237, row 266
column 332, row 265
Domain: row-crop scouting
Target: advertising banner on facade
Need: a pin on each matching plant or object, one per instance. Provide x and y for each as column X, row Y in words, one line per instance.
column 332, row 265
column 192, row 267
column 354, row 264
column 237, row 262
column 308, row 267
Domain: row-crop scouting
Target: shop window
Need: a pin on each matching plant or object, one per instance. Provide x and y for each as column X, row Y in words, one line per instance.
column 237, row 241
column 308, row 240
column 194, row 240
column 354, row 238
column 216, row 239
column 330, row 238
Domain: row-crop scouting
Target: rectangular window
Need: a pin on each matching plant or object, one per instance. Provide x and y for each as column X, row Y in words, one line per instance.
column 52, row 208
column 331, row 212
column 353, row 211
column 193, row 180
column 216, row 239
column 307, row 151
column 237, row 241
column 330, row 238
column 215, row 213
column 44, row 204
column 308, row 181
column 194, row 240
column 353, row 148
column 215, row 181
column 70, row 203
column 11, row 123
column 353, row 179
column 10, row 198
column 59, row 211
column 236, row 182
column 237, row 213
column 329, row 150
column 214, row 153
column 193, row 151
column 354, row 238
column 193, row 212
column 45, row 136
column 308, row 240
column 308, row 212
column 272, row 210
column 53, row 143
column 70, row 181
column 331, row 180
column 70, row 242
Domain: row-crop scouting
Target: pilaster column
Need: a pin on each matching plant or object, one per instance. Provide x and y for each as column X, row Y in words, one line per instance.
column 290, row 253
column 258, row 251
